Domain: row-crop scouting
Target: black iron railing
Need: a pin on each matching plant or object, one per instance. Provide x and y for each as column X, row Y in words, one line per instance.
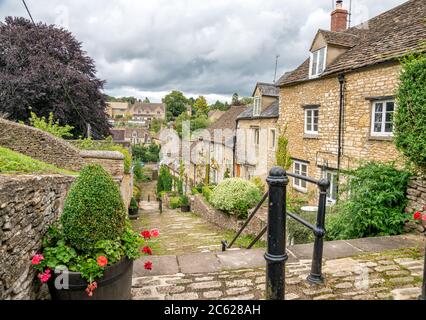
column 225, row 244
column 423, row 296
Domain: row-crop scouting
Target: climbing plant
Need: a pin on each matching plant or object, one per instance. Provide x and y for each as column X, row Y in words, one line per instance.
column 410, row 116
column 282, row 155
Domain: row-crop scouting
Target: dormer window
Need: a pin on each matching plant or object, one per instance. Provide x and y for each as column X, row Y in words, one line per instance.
column 256, row 106
column 317, row 62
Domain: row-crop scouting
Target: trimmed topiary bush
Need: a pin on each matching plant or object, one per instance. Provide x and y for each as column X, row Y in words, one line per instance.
column 93, row 210
column 235, row 196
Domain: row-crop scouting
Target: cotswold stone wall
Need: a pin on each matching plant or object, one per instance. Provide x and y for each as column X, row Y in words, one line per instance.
column 416, row 194
column 28, row 204
column 39, row 145
column 202, row 208
column 358, row 145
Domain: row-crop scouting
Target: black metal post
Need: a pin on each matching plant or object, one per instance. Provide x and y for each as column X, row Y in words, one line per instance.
column 160, row 205
column 149, row 198
column 319, row 232
column 276, row 255
column 423, row 296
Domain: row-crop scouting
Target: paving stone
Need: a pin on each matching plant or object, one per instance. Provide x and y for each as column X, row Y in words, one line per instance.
column 341, row 274
column 293, row 281
column 204, row 279
column 260, row 280
column 397, row 273
column 170, row 289
column 344, row 285
column 386, row 268
column 239, row 283
column 401, row 280
column 406, row 293
column 377, row 281
column 311, row 292
column 351, row 293
column 243, row 297
column 325, row 297
column 183, row 296
column 386, row 262
column 178, row 281
column 235, row 291
column 261, row 287
column 291, row 296
column 364, row 297
column 205, row 285
column 384, row 295
column 212, row 294
column 141, row 282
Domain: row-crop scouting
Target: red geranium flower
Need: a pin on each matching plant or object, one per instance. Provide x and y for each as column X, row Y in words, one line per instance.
column 90, row 288
column 146, row 234
column 424, row 217
column 148, row 265
column 417, row 215
column 147, row 250
column 102, row 261
column 44, row 277
column 37, row 259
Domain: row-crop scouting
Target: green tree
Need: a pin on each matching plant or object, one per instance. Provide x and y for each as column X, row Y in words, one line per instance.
column 218, row 105
column 410, row 116
column 176, row 104
column 246, row 101
column 201, row 107
column 282, row 154
column 235, row 99
column 146, row 100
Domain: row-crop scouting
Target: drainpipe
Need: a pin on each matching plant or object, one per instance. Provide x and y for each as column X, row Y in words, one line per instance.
column 234, row 149
column 341, row 78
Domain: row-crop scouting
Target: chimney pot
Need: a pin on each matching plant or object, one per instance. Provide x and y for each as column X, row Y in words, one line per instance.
column 339, row 18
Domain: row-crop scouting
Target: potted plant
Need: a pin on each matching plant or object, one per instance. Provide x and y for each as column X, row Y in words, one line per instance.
column 184, row 204
column 89, row 253
column 133, row 207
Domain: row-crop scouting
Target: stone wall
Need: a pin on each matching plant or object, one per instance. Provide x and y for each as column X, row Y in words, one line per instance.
column 416, row 194
column 358, row 145
column 28, row 204
column 202, row 208
column 39, row 145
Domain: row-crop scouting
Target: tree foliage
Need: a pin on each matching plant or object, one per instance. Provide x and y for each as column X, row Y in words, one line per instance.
column 50, row 126
column 45, row 68
column 201, row 107
column 165, row 180
column 176, row 104
column 410, row 116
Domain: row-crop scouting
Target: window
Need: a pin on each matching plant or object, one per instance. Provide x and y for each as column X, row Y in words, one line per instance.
column 256, row 106
column 332, row 191
column 273, row 139
column 382, row 118
column 300, row 168
column 311, row 120
column 256, row 136
column 317, row 62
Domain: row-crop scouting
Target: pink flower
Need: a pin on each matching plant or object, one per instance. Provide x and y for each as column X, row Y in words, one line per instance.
column 424, row 217
column 44, row 277
column 37, row 259
column 155, row 233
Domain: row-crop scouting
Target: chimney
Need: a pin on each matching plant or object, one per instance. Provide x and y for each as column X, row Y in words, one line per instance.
column 339, row 18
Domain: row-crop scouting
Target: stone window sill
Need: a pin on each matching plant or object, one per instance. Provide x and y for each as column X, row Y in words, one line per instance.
column 310, row 136
column 300, row 189
column 378, row 138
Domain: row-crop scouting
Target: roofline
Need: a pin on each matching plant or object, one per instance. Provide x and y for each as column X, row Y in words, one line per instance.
column 258, row 118
column 333, row 74
column 265, row 83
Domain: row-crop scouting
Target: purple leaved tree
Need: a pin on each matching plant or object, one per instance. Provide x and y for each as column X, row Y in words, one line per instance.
column 44, row 68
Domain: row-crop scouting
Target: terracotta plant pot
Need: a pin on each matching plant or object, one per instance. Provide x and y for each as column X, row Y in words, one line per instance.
column 116, row 284
column 133, row 211
column 185, row 208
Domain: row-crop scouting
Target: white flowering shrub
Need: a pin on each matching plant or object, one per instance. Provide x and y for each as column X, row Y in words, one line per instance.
column 235, row 196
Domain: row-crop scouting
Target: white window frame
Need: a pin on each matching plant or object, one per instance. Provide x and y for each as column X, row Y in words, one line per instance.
column 273, row 139
column 333, row 173
column 317, row 72
column 256, row 136
column 299, row 184
column 312, row 122
column 257, row 102
column 383, row 122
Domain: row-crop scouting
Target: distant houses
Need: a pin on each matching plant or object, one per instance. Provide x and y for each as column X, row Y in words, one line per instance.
column 138, row 113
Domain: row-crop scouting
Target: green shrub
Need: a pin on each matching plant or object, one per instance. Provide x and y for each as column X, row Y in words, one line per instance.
column 133, row 204
column 165, row 180
column 137, row 192
column 195, row 191
column 235, row 196
column 184, row 201
column 259, row 183
column 206, row 192
column 175, row 202
column 93, row 209
column 50, row 126
column 410, row 115
column 374, row 204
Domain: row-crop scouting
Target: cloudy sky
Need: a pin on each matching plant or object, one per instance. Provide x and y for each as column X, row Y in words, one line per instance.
column 201, row 47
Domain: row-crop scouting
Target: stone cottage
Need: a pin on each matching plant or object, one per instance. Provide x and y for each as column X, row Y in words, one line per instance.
column 257, row 133
column 339, row 103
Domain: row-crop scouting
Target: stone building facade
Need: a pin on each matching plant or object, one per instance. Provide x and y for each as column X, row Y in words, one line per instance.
column 338, row 105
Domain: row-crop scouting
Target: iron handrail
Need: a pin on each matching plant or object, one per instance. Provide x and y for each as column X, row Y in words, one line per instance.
column 250, row 217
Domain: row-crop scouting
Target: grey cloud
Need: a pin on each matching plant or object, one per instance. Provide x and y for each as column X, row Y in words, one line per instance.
column 204, row 47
